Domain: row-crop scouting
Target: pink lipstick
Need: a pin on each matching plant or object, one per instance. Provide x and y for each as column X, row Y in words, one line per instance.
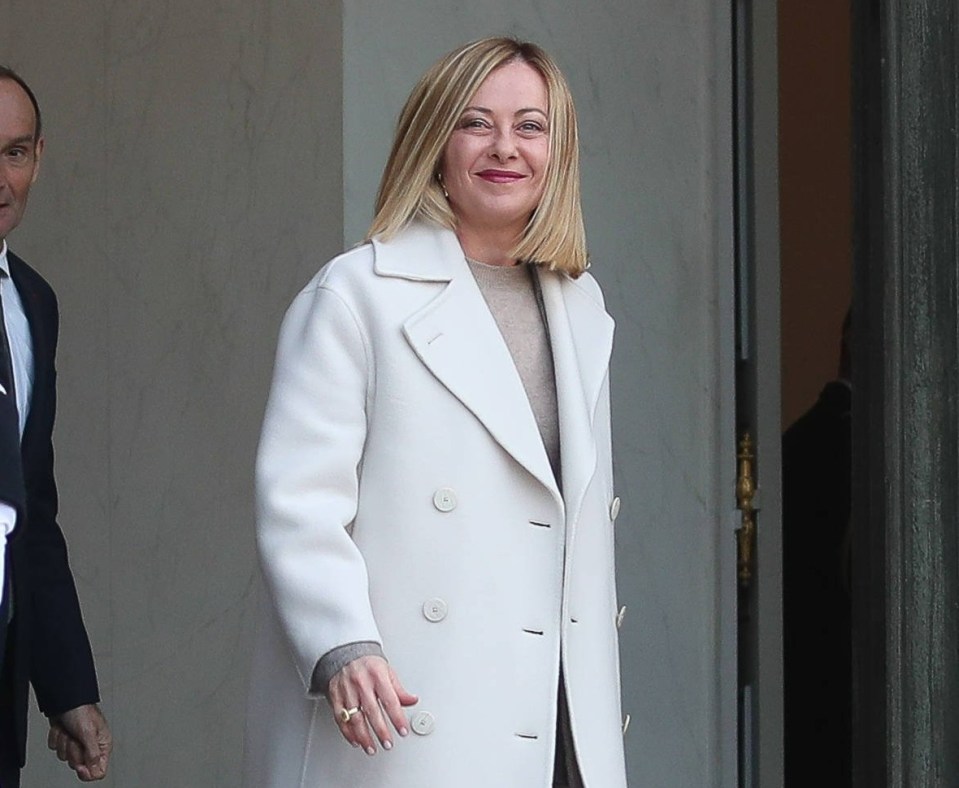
column 500, row 176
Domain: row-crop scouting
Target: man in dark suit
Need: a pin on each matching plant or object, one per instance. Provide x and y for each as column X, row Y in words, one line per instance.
column 46, row 644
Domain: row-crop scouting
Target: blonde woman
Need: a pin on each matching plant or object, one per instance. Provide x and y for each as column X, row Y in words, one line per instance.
column 434, row 481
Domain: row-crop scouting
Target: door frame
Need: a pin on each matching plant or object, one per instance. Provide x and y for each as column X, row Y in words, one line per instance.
column 758, row 391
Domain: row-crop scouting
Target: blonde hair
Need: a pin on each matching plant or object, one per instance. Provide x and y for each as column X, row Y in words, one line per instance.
column 410, row 189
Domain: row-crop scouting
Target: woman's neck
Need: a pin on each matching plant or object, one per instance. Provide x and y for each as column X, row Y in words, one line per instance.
column 492, row 248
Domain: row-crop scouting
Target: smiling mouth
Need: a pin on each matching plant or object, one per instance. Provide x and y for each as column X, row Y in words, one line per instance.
column 501, row 176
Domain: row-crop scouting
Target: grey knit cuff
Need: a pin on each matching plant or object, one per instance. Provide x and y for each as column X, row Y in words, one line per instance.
column 338, row 658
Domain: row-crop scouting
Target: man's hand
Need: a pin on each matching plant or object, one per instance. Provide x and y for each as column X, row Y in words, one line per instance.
column 81, row 737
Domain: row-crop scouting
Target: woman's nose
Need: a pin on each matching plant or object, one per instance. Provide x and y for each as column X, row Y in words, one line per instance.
column 503, row 146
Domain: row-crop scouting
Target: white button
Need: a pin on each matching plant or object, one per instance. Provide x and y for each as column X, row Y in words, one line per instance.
column 444, row 499
column 435, row 609
column 422, row 723
column 620, row 616
column 614, row 508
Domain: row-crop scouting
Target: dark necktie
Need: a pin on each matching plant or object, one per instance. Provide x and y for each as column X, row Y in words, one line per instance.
column 6, row 360
column 12, row 484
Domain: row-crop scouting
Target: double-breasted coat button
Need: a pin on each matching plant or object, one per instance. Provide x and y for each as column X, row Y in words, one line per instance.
column 422, row 723
column 614, row 508
column 444, row 499
column 620, row 616
column 435, row 609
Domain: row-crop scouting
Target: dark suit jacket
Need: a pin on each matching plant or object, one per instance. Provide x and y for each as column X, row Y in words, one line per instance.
column 47, row 642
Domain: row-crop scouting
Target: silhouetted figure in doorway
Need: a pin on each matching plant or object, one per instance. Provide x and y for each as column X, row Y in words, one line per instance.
column 816, row 599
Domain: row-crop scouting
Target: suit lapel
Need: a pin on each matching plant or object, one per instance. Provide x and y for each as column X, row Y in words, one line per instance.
column 32, row 308
column 581, row 333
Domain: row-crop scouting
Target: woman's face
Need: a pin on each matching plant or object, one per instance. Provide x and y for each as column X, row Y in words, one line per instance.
column 494, row 165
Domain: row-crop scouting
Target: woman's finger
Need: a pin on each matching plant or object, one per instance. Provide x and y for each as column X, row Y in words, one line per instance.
column 340, row 700
column 370, row 684
column 406, row 698
column 346, row 689
column 351, row 729
column 393, row 698
column 361, row 733
column 374, row 713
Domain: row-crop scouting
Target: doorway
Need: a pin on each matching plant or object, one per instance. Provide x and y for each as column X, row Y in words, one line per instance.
column 816, row 232
column 794, row 232
column 815, row 187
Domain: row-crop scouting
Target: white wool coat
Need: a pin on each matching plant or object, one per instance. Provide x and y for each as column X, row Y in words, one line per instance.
column 404, row 496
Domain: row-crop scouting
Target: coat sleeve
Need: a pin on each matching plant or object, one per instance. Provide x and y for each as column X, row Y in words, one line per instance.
column 307, row 479
column 61, row 661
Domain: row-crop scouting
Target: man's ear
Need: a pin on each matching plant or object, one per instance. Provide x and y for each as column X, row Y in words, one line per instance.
column 37, row 153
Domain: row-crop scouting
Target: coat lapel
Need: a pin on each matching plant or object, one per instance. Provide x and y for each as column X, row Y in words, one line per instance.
column 457, row 339
column 581, row 333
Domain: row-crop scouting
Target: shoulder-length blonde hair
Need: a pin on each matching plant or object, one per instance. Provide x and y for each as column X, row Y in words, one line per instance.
column 410, row 188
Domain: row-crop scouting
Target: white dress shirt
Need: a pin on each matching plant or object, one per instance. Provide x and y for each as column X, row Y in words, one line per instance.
column 18, row 332
column 21, row 356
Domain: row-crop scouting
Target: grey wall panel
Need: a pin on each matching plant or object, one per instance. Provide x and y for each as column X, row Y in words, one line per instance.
column 651, row 83
column 192, row 185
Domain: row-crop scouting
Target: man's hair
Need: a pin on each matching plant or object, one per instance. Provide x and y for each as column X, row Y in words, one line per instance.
column 410, row 188
column 9, row 73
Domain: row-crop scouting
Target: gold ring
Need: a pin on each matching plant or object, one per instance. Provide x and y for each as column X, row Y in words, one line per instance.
column 346, row 715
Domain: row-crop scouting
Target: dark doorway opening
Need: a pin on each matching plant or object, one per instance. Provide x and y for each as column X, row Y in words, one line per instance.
column 816, row 248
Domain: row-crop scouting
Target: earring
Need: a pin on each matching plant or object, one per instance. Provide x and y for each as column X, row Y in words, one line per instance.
column 439, row 179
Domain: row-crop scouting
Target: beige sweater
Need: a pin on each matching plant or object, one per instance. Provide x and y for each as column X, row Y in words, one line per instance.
column 513, row 299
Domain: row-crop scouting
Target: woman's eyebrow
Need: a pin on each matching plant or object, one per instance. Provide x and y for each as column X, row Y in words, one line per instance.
column 523, row 111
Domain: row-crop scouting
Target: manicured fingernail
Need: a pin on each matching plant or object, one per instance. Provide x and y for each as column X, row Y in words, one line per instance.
column 404, row 732
column 370, row 751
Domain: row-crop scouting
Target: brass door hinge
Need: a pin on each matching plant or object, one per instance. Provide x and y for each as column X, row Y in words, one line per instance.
column 745, row 494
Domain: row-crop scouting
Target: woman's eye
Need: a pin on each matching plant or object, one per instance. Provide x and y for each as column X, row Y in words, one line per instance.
column 474, row 123
column 531, row 127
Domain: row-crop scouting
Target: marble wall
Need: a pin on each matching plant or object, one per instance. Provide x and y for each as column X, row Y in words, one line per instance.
column 203, row 159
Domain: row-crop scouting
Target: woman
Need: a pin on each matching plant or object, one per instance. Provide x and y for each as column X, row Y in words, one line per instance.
column 434, row 476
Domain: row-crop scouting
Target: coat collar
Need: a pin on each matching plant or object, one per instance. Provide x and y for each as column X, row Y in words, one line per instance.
column 422, row 252
column 457, row 339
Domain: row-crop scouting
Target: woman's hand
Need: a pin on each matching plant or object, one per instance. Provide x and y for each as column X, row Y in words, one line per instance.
column 369, row 685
